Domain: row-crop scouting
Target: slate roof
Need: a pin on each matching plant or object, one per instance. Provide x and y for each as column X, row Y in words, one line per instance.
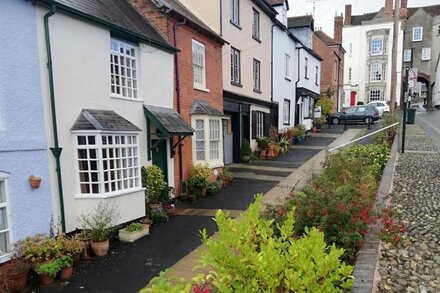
column 105, row 120
column 358, row 19
column 300, row 21
column 200, row 107
column 433, row 10
column 119, row 13
column 168, row 120
column 326, row 39
column 278, row 2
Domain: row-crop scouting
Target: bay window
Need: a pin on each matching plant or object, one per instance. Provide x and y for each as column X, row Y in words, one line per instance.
column 207, row 141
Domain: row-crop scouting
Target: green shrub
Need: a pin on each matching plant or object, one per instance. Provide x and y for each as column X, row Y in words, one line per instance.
column 154, row 183
column 159, row 216
column 245, row 148
column 326, row 103
column 133, row 227
column 200, row 175
column 38, row 248
column 263, row 143
column 101, row 221
column 65, row 261
column 49, row 269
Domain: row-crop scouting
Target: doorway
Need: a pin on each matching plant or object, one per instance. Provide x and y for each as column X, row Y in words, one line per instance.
column 159, row 153
column 352, row 98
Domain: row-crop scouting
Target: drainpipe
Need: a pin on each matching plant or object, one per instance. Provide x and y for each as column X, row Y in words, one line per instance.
column 177, row 77
column 271, row 64
column 297, row 81
column 56, row 150
column 337, row 82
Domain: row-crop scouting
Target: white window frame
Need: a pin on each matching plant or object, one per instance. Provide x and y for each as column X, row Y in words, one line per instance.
column 132, row 162
column 350, row 50
column 287, row 66
column 260, row 124
column 426, row 54
column 257, row 75
column 255, row 24
column 235, row 66
column 199, row 65
column 417, row 34
column 407, row 55
column 350, row 73
column 375, row 95
column 4, row 187
column 374, row 77
column 376, row 47
column 286, row 112
column 235, row 12
column 316, row 75
column 211, row 136
column 123, row 70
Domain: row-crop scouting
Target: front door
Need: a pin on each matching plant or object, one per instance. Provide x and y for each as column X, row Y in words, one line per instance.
column 352, row 98
column 227, row 143
column 159, row 153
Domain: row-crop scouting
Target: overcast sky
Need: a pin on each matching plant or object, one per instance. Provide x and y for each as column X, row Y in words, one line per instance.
column 326, row 9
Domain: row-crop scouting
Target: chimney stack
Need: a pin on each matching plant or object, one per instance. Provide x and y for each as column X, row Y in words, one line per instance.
column 403, row 9
column 389, row 7
column 337, row 34
column 347, row 14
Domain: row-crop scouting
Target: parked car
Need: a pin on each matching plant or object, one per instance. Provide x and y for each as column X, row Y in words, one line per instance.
column 382, row 106
column 367, row 114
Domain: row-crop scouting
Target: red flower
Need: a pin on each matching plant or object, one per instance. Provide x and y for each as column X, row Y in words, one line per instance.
column 206, row 290
column 309, row 214
column 196, row 289
column 363, row 232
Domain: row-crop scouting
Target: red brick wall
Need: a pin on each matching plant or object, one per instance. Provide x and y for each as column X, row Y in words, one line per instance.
column 327, row 67
column 213, row 59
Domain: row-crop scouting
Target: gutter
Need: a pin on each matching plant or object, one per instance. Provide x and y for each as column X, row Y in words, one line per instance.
column 56, row 150
column 177, row 76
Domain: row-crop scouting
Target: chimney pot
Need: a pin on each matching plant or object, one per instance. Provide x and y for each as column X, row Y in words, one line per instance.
column 388, row 11
column 337, row 34
column 348, row 14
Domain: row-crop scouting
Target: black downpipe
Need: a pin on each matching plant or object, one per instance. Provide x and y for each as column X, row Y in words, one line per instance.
column 271, row 64
column 176, row 72
column 56, row 150
column 221, row 18
column 297, row 81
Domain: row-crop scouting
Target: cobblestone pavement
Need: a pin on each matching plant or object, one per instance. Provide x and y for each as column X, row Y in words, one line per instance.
column 414, row 265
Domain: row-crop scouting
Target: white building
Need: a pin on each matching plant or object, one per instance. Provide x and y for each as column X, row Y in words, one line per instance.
column 436, row 86
column 368, row 41
column 112, row 86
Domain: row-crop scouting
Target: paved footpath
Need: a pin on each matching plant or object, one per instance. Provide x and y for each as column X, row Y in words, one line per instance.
column 414, row 266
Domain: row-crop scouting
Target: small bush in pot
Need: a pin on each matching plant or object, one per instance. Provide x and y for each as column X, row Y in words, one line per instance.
column 47, row 271
column 200, row 175
column 66, row 264
column 100, row 223
column 37, row 248
column 71, row 246
column 159, row 217
column 154, row 183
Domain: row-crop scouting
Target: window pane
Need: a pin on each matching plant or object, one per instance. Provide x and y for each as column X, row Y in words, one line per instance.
column 4, row 242
column 2, row 192
column 81, row 140
column 3, row 219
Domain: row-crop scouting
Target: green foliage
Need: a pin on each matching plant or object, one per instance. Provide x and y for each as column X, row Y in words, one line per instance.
column 154, row 183
column 65, row 261
column 100, row 221
column 227, row 175
column 37, row 248
column 263, row 143
column 284, row 142
column 390, row 119
column 69, row 246
column 49, row 269
column 245, row 148
column 133, row 227
column 200, row 174
column 372, row 155
column 159, row 216
column 169, row 284
column 213, row 188
column 326, row 103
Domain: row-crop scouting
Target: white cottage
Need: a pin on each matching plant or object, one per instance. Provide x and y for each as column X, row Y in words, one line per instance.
column 108, row 100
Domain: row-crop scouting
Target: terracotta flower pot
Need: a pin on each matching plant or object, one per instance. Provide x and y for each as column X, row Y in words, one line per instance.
column 66, row 273
column 87, row 243
column 314, row 129
column 100, row 248
column 263, row 154
column 46, row 280
column 17, row 275
column 34, row 181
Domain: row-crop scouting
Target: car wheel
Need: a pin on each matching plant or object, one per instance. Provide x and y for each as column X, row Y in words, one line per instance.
column 368, row 120
column 335, row 121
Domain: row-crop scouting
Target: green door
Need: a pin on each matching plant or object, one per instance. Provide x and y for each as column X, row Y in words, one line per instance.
column 160, row 156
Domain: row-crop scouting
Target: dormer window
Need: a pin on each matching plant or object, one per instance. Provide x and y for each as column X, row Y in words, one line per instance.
column 123, row 70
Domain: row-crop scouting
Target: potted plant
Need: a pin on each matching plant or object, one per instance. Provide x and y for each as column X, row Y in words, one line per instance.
column 38, row 248
column 133, row 232
column 159, row 217
column 226, row 176
column 100, row 223
column 155, row 185
column 71, row 247
column 66, row 264
column 284, row 143
column 84, row 237
column 47, row 271
column 245, row 151
column 212, row 189
column 200, row 175
column 263, row 144
column 15, row 273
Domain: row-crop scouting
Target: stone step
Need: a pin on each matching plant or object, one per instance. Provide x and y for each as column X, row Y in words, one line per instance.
column 250, row 175
column 265, row 168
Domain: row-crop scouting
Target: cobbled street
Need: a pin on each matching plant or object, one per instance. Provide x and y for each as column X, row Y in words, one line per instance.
column 414, row 265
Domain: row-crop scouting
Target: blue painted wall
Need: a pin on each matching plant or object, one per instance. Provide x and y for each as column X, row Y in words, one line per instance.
column 23, row 148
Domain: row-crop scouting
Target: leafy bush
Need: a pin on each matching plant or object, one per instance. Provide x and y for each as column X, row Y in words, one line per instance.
column 65, row 261
column 69, row 246
column 200, row 174
column 245, row 148
column 247, row 256
column 159, row 216
column 154, row 183
column 372, row 155
column 133, row 227
column 100, row 221
column 37, row 248
column 49, row 269
column 326, row 104
column 390, row 119
column 263, row 143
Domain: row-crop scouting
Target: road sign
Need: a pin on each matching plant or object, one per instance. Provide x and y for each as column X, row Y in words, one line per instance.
column 412, row 78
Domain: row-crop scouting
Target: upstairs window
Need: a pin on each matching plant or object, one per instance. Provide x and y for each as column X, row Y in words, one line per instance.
column 199, row 69
column 417, row 34
column 335, row 70
column 349, row 74
column 375, row 95
column 235, row 12
column 376, row 46
column 235, row 66
column 123, row 69
column 426, row 54
column 306, row 68
column 407, row 55
column 287, row 67
column 256, row 25
column 316, row 75
column 257, row 74
column 376, row 72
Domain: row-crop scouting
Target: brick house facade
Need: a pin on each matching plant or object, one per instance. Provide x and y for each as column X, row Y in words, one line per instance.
column 192, row 99
column 332, row 66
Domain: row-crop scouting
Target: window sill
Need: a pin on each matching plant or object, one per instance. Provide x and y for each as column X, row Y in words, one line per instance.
column 256, row 39
column 288, row 79
column 109, row 195
column 235, row 24
column 126, row 99
column 258, row 91
column 416, row 41
column 286, row 124
column 212, row 164
column 236, row 84
column 202, row 89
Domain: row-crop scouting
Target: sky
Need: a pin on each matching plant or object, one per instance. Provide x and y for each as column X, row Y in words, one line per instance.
column 326, row 9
